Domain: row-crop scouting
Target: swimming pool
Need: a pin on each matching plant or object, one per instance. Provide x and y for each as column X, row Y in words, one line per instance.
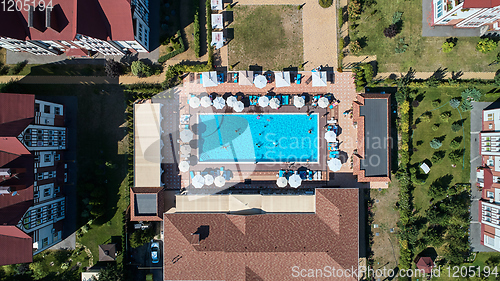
column 258, row 137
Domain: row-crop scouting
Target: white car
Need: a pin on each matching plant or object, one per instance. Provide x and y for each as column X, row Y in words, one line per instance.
column 155, row 248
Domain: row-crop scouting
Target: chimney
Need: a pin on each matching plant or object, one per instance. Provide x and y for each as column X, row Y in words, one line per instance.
column 48, row 17
column 4, row 190
column 195, row 240
column 5, row 172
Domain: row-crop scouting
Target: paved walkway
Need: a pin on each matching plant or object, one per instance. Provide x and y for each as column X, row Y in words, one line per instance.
column 319, row 30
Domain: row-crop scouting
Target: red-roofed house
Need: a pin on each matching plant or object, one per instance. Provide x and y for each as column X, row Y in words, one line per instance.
column 488, row 177
column 110, row 27
column 271, row 246
column 466, row 13
column 32, row 204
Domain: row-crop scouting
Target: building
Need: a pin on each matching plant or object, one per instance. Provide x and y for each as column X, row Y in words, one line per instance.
column 488, row 177
column 32, row 173
column 466, row 13
column 76, row 26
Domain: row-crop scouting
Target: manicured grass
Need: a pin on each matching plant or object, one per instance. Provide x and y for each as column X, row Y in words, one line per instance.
column 423, row 53
column 423, row 134
column 269, row 36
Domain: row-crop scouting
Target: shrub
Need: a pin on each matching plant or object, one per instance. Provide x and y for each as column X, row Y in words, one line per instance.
column 170, row 55
column 435, row 143
column 454, row 103
column 454, row 144
column 196, row 27
column 391, row 31
column 354, row 9
column 396, row 17
column 435, row 103
column 432, row 82
column 340, row 15
column 438, row 156
column 325, row 3
column 354, row 47
column 455, row 127
column 435, row 127
column 389, row 81
column 140, row 237
column 456, row 156
column 341, row 43
column 448, row 46
column 404, row 108
column 19, row 67
column 486, row 45
column 401, row 46
column 426, row 117
column 445, row 116
column 497, row 78
column 466, row 105
column 141, row 69
column 112, row 68
column 472, row 94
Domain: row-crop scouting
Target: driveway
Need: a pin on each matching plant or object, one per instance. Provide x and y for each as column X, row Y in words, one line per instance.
column 475, row 128
column 141, row 257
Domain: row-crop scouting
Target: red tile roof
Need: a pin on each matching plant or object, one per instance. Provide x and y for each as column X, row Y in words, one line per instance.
column 159, row 206
column 102, row 19
column 425, row 263
column 263, row 247
column 14, row 107
column 16, row 246
column 480, row 3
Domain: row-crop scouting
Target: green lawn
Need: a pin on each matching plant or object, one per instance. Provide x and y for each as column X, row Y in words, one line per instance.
column 269, row 36
column 423, row 134
column 423, row 53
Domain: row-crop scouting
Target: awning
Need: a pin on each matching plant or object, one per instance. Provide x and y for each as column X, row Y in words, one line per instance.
column 209, row 79
column 319, row 78
column 217, row 21
column 245, row 78
column 282, row 78
column 216, row 5
column 217, row 39
column 147, row 145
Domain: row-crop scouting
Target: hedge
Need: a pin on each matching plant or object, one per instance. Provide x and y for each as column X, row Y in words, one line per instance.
column 196, row 25
column 170, row 55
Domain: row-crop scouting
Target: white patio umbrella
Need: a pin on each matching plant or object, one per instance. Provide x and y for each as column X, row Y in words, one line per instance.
column 238, row 106
column 295, row 181
column 299, row 102
column 274, row 103
column 198, row 181
column 231, row 100
column 185, row 149
column 282, row 182
column 263, row 101
column 184, row 166
column 219, row 181
column 194, row 102
column 219, row 103
column 206, row 101
column 209, row 179
column 334, row 164
column 186, row 135
column 260, row 81
column 330, row 136
column 323, row 102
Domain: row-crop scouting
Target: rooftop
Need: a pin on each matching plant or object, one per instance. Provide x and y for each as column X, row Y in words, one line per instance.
column 263, row 247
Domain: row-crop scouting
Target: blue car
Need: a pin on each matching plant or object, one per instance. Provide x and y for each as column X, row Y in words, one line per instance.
column 155, row 248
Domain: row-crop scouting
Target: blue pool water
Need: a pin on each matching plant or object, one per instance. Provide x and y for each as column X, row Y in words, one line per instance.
column 258, row 137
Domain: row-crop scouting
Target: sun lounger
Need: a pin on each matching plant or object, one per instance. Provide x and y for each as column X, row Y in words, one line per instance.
column 298, row 79
column 221, row 171
column 191, row 174
column 285, row 100
column 320, row 175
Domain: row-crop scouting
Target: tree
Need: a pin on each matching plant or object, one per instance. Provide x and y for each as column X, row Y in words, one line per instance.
column 112, row 68
column 486, row 45
column 111, row 273
column 141, row 69
column 140, row 237
column 436, row 144
column 447, row 46
column 355, row 47
column 325, row 3
column 391, row 31
column 455, row 127
column 454, row 103
column 438, row 156
column 354, row 9
column 472, row 94
column 456, row 156
column 454, row 144
column 445, row 116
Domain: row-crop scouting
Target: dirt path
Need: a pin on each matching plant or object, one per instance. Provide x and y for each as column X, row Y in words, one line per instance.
column 88, row 252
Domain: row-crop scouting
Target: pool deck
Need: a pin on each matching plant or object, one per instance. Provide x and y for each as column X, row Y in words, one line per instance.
column 340, row 85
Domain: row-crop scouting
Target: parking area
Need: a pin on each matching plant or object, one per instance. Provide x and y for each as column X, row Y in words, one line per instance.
column 142, row 259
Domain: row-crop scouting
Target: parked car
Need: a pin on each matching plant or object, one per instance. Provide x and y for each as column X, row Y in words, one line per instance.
column 155, row 248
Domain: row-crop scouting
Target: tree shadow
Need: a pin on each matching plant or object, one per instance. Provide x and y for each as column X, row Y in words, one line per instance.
column 440, row 73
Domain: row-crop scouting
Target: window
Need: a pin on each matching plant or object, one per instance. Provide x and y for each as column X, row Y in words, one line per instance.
column 46, row 158
column 46, row 108
column 57, row 110
column 57, row 189
column 37, row 107
column 490, row 116
column 35, row 194
column 40, row 176
column 46, row 192
column 45, row 242
column 57, row 157
column 488, row 209
column 37, row 158
column 490, row 194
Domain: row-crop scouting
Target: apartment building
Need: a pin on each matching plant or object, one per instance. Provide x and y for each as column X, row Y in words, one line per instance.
column 109, row 27
column 466, row 13
column 32, row 175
